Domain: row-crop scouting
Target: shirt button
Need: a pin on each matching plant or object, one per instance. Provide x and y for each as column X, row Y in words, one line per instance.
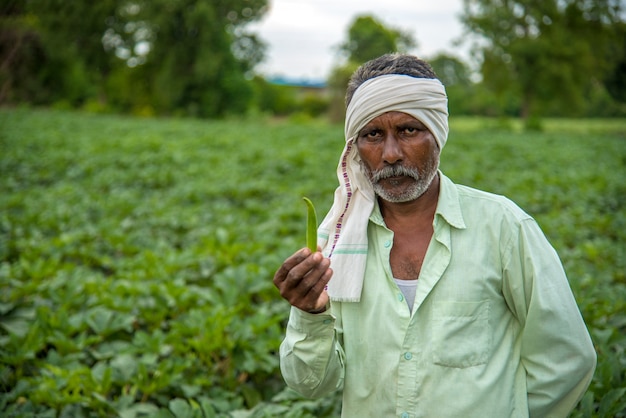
column 387, row 244
column 404, row 415
column 327, row 321
column 400, row 297
column 408, row 356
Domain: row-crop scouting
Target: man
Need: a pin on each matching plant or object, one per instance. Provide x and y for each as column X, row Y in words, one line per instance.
column 442, row 300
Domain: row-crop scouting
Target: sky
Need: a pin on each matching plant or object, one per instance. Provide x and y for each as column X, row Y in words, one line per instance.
column 303, row 35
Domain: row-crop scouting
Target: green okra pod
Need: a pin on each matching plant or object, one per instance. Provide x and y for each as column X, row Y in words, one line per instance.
column 311, row 225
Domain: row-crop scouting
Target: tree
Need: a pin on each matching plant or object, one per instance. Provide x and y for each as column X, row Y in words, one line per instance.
column 172, row 55
column 199, row 54
column 368, row 38
column 451, row 70
column 52, row 49
column 19, row 52
column 615, row 80
column 337, row 84
column 455, row 75
column 546, row 52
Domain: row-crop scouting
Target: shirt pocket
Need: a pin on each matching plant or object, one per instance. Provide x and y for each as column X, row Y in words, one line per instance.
column 461, row 333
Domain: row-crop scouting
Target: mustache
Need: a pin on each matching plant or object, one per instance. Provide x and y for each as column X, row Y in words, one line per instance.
column 394, row 171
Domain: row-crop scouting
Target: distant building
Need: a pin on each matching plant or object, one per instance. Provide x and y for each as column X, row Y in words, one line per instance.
column 302, row 86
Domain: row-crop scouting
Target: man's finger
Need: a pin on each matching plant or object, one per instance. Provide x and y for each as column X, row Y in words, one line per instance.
column 309, row 268
column 289, row 264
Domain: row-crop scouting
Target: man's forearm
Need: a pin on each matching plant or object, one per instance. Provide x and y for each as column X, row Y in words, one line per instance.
column 311, row 360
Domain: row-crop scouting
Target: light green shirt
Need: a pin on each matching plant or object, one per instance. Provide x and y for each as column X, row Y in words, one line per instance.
column 495, row 330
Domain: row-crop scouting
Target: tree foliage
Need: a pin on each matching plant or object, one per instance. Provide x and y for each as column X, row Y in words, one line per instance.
column 187, row 56
column 369, row 38
column 549, row 53
column 456, row 77
column 51, row 50
column 615, row 80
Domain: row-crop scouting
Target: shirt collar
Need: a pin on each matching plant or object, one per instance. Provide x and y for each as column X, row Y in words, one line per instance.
column 448, row 205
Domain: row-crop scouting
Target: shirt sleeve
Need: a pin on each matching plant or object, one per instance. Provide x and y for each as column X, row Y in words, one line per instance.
column 311, row 358
column 556, row 349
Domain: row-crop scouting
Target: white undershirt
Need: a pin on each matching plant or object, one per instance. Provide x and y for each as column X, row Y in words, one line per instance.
column 408, row 289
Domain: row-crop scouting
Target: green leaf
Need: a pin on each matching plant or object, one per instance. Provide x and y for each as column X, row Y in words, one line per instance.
column 251, row 395
column 138, row 410
column 99, row 319
column 125, row 366
column 190, row 391
column 18, row 321
column 6, row 307
column 104, row 321
column 612, row 402
column 586, row 405
column 207, row 407
column 181, row 408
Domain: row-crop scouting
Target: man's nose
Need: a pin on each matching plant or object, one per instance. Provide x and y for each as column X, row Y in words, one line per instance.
column 392, row 153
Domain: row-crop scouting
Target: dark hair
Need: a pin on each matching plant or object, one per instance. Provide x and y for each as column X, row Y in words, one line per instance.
column 395, row 63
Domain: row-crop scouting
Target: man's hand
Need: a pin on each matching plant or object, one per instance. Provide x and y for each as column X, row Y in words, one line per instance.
column 302, row 279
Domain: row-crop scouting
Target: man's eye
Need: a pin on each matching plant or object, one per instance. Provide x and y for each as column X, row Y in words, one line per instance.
column 412, row 129
column 370, row 135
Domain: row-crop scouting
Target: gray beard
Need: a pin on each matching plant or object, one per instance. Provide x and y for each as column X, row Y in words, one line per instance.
column 411, row 192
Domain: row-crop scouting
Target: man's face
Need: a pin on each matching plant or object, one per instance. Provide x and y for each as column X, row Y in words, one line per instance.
column 399, row 155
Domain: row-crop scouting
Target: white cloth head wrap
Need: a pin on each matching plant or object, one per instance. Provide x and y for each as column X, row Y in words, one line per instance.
column 343, row 232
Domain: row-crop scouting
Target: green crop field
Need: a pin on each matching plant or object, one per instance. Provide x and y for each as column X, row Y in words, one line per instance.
column 136, row 255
